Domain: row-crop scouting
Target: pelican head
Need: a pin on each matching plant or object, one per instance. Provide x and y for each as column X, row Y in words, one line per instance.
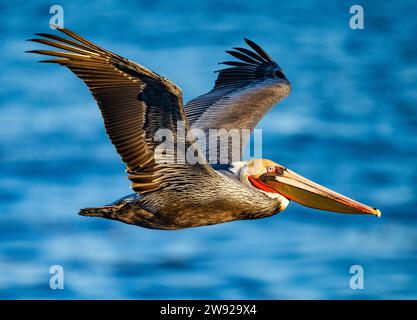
column 278, row 181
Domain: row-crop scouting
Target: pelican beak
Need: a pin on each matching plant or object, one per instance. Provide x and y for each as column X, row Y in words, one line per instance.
column 299, row 189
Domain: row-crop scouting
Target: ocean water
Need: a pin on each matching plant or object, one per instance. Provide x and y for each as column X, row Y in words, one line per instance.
column 350, row 123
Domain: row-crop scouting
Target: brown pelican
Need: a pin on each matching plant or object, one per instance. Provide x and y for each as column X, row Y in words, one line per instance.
column 135, row 102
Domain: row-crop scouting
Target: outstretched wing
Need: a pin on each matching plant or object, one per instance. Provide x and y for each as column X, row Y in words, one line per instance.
column 135, row 103
column 242, row 95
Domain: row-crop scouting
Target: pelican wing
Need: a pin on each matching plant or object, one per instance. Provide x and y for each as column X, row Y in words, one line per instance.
column 135, row 103
column 243, row 93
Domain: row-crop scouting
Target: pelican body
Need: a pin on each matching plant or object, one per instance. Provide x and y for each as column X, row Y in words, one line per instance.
column 136, row 102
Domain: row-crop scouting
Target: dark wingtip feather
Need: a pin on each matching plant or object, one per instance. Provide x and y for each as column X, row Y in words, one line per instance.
column 235, row 63
column 242, row 57
column 42, row 34
column 49, row 61
column 35, row 40
column 249, row 62
column 252, row 54
column 258, row 49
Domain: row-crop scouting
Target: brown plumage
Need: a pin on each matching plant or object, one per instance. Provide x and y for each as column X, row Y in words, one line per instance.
column 136, row 102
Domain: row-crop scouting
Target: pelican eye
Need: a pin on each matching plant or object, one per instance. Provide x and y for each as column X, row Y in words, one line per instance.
column 270, row 169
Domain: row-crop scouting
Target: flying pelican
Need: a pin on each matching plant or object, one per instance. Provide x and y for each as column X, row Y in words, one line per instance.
column 135, row 102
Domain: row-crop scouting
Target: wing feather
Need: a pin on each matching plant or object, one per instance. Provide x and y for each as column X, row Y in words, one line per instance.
column 243, row 93
column 134, row 102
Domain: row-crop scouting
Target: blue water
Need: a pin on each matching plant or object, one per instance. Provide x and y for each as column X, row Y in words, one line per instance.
column 350, row 123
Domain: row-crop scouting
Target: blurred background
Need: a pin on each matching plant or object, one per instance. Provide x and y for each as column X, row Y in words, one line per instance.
column 350, row 123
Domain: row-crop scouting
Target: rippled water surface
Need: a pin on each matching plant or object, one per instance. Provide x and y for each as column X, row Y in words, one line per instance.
column 350, row 123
